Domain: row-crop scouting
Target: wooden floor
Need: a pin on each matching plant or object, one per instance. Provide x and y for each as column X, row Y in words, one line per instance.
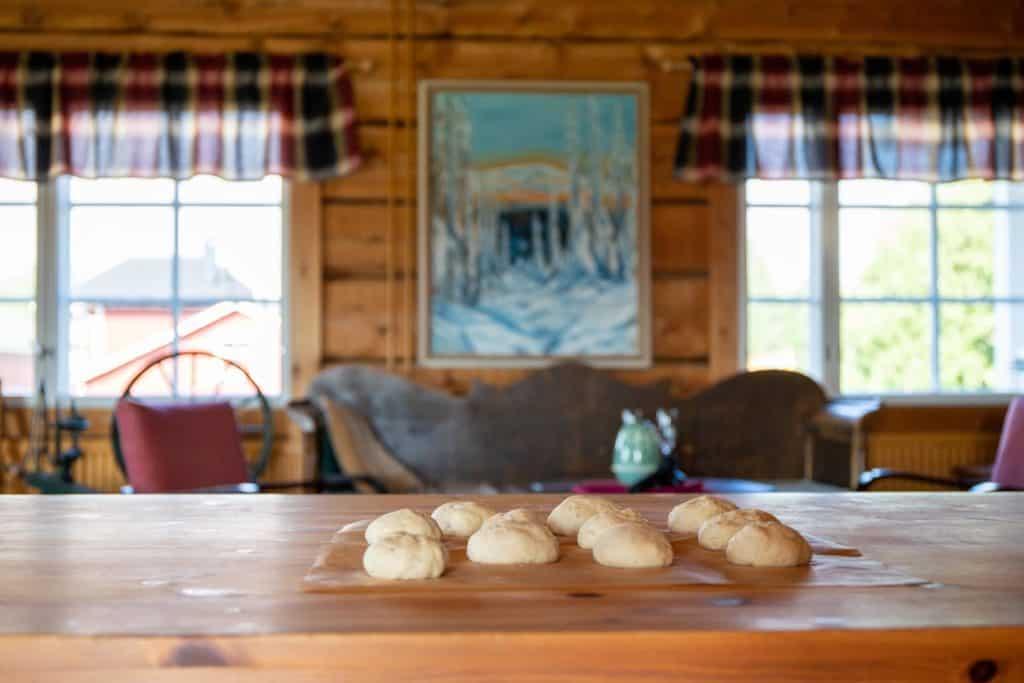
column 128, row 588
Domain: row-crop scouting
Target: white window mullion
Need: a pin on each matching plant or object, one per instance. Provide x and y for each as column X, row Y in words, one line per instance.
column 936, row 326
column 827, row 196
column 816, row 333
column 741, row 286
column 176, row 286
column 49, row 327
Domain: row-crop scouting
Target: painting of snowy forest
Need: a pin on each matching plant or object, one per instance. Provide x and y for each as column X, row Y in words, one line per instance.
column 533, row 230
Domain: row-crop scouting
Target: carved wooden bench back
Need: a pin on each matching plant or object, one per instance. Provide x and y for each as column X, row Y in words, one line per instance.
column 560, row 423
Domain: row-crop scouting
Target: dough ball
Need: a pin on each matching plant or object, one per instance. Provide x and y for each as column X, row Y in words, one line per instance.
column 461, row 518
column 687, row 517
column 632, row 546
column 404, row 520
column 768, row 544
column 405, row 556
column 511, row 542
column 603, row 521
column 522, row 515
column 568, row 517
column 715, row 533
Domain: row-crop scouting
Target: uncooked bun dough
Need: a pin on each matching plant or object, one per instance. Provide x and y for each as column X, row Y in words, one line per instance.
column 404, row 520
column 768, row 544
column 715, row 533
column 511, row 542
column 687, row 517
column 633, row 546
column 602, row 521
column 571, row 513
column 523, row 515
column 405, row 556
column 461, row 518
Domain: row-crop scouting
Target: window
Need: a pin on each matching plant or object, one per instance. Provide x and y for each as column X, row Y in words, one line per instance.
column 18, row 239
column 888, row 287
column 138, row 268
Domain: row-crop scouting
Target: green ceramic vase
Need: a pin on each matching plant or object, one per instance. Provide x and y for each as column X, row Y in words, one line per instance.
column 637, row 449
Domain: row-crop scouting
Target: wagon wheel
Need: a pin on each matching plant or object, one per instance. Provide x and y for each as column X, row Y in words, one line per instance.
column 163, row 368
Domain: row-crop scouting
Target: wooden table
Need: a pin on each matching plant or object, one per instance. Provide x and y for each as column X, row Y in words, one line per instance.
column 154, row 588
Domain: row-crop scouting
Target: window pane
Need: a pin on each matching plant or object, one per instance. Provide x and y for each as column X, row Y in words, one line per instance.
column 778, row 192
column 778, row 252
column 17, row 191
column 108, row 345
column 778, row 336
column 884, row 252
column 122, row 191
column 121, row 252
column 884, row 192
column 982, row 347
column 970, row 192
column 246, row 333
column 17, row 343
column 885, row 348
column 230, row 252
column 981, row 253
column 208, row 189
column 966, row 349
column 17, row 251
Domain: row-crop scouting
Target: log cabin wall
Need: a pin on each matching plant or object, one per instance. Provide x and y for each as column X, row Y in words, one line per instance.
column 363, row 226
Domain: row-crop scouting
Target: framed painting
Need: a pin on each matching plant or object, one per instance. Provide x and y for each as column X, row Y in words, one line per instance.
column 533, row 224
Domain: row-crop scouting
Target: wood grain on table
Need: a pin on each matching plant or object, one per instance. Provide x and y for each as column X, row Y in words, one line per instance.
column 198, row 586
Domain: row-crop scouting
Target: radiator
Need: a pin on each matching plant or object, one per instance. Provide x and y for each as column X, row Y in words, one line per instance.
column 932, row 453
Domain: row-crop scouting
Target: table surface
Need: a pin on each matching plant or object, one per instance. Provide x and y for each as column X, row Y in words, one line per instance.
column 176, row 582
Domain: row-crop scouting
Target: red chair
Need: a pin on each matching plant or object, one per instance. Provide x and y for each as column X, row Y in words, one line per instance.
column 1007, row 472
column 196, row 446
column 173, row 448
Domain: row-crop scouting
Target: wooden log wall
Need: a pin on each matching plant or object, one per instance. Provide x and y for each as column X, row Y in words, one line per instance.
column 367, row 241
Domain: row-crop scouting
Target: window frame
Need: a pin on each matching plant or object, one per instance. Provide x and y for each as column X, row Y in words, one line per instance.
column 53, row 203
column 825, row 298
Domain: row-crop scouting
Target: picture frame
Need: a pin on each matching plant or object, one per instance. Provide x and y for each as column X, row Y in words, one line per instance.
column 519, row 263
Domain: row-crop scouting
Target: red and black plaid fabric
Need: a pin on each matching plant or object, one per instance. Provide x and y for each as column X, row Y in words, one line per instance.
column 239, row 116
column 818, row 117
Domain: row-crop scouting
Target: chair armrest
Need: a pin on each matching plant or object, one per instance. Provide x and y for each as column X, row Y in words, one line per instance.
column 304, row 414
column 871, row 477
column 990, row 487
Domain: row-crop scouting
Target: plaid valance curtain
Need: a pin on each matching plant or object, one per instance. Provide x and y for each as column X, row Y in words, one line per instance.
column 818, row 117
column 239, row 116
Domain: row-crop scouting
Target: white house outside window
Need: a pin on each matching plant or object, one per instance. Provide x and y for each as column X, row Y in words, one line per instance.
column 131, row 269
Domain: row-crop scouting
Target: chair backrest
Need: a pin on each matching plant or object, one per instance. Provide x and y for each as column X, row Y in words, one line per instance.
column 180, row 447
column 1008, row 470
column 752, row 425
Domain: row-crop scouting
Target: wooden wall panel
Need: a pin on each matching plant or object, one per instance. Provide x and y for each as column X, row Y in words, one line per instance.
column 355, row 240
column 357, row 320
column 854, row 22
column 679, row 233
column 680, row 318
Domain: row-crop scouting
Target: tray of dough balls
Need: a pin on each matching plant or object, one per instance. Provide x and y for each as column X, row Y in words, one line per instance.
column 585, row 542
